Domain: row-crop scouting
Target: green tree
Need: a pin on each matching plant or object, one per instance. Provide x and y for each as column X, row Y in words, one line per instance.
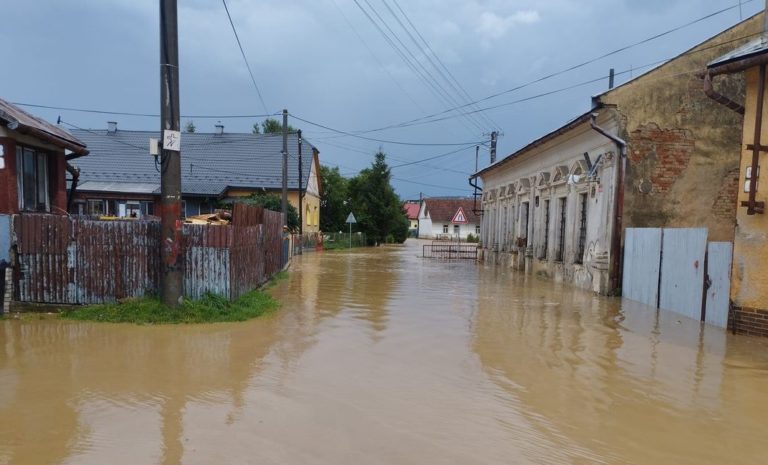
column 274, row 202
column 333, row 201
column 377, row 208
column 271, row 126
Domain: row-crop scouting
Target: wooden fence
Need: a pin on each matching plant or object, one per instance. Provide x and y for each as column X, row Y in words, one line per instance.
column 74, row 260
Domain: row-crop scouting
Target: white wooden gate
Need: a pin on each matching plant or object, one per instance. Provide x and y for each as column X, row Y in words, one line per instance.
column 671, row 268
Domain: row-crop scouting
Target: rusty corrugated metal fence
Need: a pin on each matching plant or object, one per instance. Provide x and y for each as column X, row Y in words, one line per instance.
column 74, row 260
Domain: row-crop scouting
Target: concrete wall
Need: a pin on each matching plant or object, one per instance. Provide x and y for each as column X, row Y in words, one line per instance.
column 517, row 232
column 683, row 147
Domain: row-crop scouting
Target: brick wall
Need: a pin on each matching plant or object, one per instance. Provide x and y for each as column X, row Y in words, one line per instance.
column 660, row 155
column 724, row 205
column 750, row 321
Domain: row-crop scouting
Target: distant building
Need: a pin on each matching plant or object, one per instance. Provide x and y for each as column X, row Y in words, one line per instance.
column 120, row 178
column 411, row 208
column 34, row 158
column 447, row 218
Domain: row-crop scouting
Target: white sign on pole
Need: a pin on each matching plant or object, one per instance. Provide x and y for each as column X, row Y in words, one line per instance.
column 351, row 218
column 172, row 140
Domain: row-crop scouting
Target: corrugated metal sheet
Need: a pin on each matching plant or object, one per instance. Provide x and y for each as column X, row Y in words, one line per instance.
column 682, row 271
column 71, row 260
column 642, row 264
column 5, row 238
column 207, row 259
column 719, row 258
column 115, row 259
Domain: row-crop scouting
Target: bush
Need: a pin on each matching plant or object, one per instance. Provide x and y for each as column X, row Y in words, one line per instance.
column 472, row 238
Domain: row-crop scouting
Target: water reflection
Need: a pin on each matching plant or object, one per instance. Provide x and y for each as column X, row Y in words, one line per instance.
column 382, row 357
column 627, row 383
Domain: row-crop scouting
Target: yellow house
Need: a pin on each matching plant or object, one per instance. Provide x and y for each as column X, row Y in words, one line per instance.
column 749, row 275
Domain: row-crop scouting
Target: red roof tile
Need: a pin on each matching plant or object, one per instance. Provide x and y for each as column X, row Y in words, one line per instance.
column 443, row 210
column 411, row 210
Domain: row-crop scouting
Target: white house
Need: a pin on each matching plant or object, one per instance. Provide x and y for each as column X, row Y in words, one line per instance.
column 448, row 218
column 549, row 209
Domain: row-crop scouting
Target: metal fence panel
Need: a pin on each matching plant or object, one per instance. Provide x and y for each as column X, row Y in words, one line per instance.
column 207, row 259
column 682, row 270
column 719, row 256
column 642, row 264
column 5, row 238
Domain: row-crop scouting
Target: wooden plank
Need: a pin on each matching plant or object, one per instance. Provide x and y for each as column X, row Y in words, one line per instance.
column 642, row 265
column 719, row 259
column 682, row 271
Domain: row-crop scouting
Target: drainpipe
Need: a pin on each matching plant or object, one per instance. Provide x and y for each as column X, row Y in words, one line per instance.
column 720, row 98
column 618, row 203
column 75, row 172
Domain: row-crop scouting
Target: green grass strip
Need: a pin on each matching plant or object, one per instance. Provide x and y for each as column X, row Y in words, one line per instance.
column 211, row 308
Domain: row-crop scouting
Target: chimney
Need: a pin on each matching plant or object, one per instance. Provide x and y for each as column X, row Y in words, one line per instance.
column 111, row 127
column 219, row 129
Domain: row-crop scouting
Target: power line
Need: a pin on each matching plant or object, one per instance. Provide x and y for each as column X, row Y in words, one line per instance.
column 253, row 79
column 457, row 87
column 147, row 115
column 413, row 63
column 432, row 158
column 568, row 69
column 338, row 131
column 375, row 57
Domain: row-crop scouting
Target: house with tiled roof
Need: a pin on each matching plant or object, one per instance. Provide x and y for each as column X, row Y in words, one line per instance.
column 34, row 159
column 448, row 218
column 120, row 177
column 411, row 208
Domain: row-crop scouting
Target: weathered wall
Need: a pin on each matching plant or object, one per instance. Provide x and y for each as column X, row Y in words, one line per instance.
column 749, row 286
column 683, row 147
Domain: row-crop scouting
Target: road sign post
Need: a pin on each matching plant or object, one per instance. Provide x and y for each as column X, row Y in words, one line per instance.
column 350, row 219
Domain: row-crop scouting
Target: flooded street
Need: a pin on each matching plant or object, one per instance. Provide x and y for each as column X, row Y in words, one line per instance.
column 382, row 357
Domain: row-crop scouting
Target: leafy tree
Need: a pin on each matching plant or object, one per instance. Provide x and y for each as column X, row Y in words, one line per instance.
column 377, row 208
column 274, row 202
column 271, row 126
column 334, row 206
column 190, row 126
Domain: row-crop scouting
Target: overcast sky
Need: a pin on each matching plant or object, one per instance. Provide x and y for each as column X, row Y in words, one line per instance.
column 327, row 63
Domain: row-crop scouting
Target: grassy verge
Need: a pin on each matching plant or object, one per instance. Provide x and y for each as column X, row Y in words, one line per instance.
column 211, row 308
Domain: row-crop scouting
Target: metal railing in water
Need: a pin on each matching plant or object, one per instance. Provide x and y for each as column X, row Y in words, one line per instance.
column 450, row 251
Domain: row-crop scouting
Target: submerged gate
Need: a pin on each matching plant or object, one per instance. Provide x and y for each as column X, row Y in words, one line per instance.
column 450, row 251
column 676, row 269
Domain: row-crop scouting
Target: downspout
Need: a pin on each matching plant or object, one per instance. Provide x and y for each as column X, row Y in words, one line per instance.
column 720, row 98
column 618, row 203
column 75, row 172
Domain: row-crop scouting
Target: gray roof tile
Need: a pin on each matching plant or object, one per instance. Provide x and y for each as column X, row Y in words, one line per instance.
column 209, row 162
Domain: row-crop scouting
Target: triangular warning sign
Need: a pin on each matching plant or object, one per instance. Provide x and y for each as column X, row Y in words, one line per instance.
column 459, row 217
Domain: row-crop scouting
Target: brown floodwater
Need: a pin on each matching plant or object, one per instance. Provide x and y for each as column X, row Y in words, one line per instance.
column 382, row 357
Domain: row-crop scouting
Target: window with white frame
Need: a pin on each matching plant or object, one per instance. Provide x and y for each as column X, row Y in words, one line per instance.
column 96, row 207
column 456, row 230
column 582, row 228
column 545, row 245
column 32, row 179
column 563, row 201
column 445, row 229
column 477, row 230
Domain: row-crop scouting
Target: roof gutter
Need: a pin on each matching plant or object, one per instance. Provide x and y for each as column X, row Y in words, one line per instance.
column 709, row 90
column 618, row 203
column 14, row 125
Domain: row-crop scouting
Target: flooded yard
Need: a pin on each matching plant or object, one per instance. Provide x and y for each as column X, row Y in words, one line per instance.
column 378, row 356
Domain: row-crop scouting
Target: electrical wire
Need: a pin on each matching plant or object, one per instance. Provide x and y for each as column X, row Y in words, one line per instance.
column 338, row 131
column 240, row 45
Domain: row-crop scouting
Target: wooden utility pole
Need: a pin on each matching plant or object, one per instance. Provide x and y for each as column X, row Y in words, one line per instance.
column 301, row 190
column 284, row 204
column 170, row 156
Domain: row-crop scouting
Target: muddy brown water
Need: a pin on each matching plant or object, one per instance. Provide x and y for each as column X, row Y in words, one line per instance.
column 381, row 357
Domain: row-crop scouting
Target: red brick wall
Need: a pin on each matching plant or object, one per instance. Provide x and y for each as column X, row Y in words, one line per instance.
column 661, row 155
column 750, row 321
column 9, row 202
column 724, row 205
